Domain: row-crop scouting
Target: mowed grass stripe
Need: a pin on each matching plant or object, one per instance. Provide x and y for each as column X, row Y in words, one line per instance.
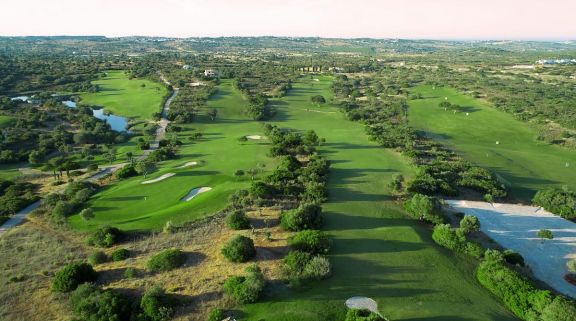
column 378, row 252
column 525, row 163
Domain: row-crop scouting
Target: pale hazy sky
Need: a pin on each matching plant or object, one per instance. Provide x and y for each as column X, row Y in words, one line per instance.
column 437, row 19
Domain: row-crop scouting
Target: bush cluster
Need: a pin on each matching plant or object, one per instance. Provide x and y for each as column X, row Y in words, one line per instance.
column 156, row 305
column 302, row 265
column 237, row 220
column 246, row 289
column 120, row 255
column 239, row 249
column 166, row 260
column 92, row 304
column 97, row 257
column 104, row 237
column 72, row 275
column 306, row 216
column 455, row 240
column 425, row 208
column 311, row 241
column 557, row 201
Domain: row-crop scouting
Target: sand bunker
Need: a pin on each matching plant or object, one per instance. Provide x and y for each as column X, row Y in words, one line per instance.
column 362, row 303
column 188, row 164
column 194, row 192
column 515, row 227
column 316, row 79
column 255, row 137
column 165, row 176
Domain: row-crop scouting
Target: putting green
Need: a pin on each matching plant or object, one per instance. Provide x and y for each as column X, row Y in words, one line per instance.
column 130, row 205
column 378, row 252
column 132, row 98
column 495, row 140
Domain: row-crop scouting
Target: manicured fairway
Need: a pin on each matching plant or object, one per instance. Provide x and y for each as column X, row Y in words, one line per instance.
column 130, row 205
column 378, row 252
column 524, row 163
column 126, row 97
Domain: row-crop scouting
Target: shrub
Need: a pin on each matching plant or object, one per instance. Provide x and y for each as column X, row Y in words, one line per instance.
column 239, row 249
column 156, row 305
column 470, row 224
column 301, row 265
column 447, row 237
column 104, row 237
column 557, row 201
column 92, row 304
column 362, row 315
column 72, row 275
column 545, row 234
column 425, row 208
column 237, row 220
column 126, row 172
column 561, row 309
column 317, row 268
column 571, row 265
column 87, row 214
column 307, row 216
column 513, row 258
column 246, row 289
column 216, row 315
column 311, row 241
column 166, row 260
column 120, row 255
column 130, row 273
column 92, row 167
column 97, row 257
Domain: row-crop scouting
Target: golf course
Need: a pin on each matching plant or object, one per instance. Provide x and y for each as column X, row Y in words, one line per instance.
column 493, row 139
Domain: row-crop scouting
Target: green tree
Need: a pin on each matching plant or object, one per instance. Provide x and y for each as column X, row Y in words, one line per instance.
column 545, row 235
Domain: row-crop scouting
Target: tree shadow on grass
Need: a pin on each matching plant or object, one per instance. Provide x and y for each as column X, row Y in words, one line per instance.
column 126, row 198
column 365, row 245
column 339, row 221
column 197, row 173
column 267, row 253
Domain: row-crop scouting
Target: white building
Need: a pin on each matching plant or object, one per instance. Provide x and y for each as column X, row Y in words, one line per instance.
column 210, row 73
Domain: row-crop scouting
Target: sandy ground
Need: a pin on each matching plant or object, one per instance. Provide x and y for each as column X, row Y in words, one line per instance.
column 195, row 192
column 515, row 227
column 255, row 137
column 165, row 176
column 188, row 164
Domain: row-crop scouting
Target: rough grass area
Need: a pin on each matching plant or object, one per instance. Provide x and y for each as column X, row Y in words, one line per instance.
column 6, row 121
column 31, row 254
column 127, row 97
column 524, row 164
column 130, row 205
column 377, row 252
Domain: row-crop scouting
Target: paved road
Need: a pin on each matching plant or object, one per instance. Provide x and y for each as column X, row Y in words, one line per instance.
column 102, row 172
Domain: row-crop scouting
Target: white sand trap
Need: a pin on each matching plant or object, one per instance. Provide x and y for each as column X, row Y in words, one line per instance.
column 362, row 303
column 188, row 164
column 316, row 79
column 255, row 137
column 515, row 227
column 194, row 192
column 165, row 176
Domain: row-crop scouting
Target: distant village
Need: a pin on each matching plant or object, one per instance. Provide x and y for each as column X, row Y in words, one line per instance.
column 544, row 62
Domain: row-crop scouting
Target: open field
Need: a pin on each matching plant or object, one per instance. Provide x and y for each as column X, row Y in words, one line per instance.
column 515, row 227
column 525, row 164
column 130, row 205
column 125, row 97
column 378, row 252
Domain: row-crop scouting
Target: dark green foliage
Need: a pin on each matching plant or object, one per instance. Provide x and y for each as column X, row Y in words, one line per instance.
column 72, row 275
column 306, row 216
column 513, row 258
column 126, row 172
column 311, row 241
column 120, row 255
column 561, row 309
column 15, row 196
column 156, row 305
column 559, row 202
column 302, row 265
column 448, row 237
column 470, row 224
column 97, row 257
column 246, row 289
column 545, row 234
column 318, row 99
column 166, row 260
column 104, row 237
column 239, row 249
column 262, row 190
column 237, row 220
column 424, row 208
column 92, row 304
column 129, row 273
column 362, row 315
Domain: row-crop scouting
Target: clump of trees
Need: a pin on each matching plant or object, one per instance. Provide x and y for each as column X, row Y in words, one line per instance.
column 306, row 216
column 557, row 201
column 166, row 260
column 58, row 206
column 239, row 249
column 246, row 289
column 426, row 208
column 311, row 241
column 298, row 265
column 15, row 196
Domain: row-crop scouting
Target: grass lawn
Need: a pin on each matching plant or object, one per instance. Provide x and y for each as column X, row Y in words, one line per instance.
column 524, row 163
column 130, row 205
column 6, row 121
column 378, row 252
column 125, row 97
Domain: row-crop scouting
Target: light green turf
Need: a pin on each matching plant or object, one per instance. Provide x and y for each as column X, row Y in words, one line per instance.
column 524, row 163
column 378, row 252
column 6, row 121
column 126, row 97
column 130, row 205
